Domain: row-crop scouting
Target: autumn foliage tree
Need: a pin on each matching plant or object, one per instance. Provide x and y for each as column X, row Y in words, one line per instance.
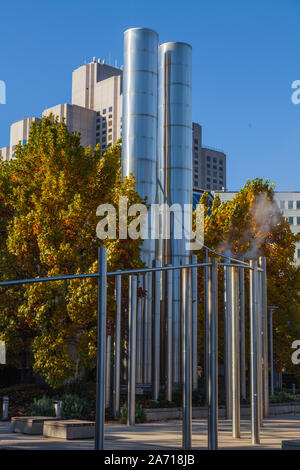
column 48, row 199
column 252, row 225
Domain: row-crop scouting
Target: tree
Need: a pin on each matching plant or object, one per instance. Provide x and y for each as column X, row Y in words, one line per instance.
column 251, row 224
column 48, row 199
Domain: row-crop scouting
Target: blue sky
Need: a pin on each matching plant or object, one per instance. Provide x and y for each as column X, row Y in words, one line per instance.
column 246, row 54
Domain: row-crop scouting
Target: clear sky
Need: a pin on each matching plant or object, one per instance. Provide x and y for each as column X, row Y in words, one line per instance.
column 246, row 54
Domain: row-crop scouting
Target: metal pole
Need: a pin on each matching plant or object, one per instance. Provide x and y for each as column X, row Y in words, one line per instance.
column 101, row 349
column 243, row 329
column 108, row 371
column 156, row 365
column 148, row 330
column 139, row 334
column 213, row 355
column 195, row 323
column 176, row 327
column 235, row 354
column 271, row 352
column 206, row 366
column 255, row 434
column 263, row 264
column 259, row 345
column 228, row 341
column 132, row 350
column 187, row 358
column 169, row 336
column 117, row 363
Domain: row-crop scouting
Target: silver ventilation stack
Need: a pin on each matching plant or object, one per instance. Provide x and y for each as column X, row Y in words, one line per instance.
column 174, row 171
column 175, row 141
column 139, row 155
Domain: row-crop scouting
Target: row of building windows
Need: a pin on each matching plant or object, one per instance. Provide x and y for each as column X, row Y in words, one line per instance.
column 291, row 220
column 289, row 205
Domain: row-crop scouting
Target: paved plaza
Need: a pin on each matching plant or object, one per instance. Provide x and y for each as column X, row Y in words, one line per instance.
column 163, row 435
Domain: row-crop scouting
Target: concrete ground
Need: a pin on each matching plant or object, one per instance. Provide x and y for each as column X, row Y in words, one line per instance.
column 163, row 435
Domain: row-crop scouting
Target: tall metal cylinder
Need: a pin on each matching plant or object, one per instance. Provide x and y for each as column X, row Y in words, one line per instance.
column 255, row 427
column 169, row 368
column 132, row 350
column 242, row 331
column 117, row 361
column 213, row 355
column 108, row 371
column 195, row 323
column 175, row 143
column 263, row 265
column 235, row 354
column 187, row 358
column 139, row 135
column 101, row 349
column 228, row 340
column 156, row 342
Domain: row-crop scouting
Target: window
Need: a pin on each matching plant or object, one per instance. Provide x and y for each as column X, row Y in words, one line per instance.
column 110, row 109
column 214, row 181
column 298, row 220
column 195, row 162
column 98, row 127
column 298, row 204
column 196, row 154
column 98, row 134
column 208, row 172
column 281, row 204
column 214, row 167
column 298, row 253
column 195, row 141
column 103, row 139
column 208, row 159
column 196, row 148
column 208, row 180
column 97, row 141
column 290, row 204
column 104, row 111
column 208, row 165
column 215, row 160
column 208, row 186
column 221, row 162
column 196, row 170
column 291, row 220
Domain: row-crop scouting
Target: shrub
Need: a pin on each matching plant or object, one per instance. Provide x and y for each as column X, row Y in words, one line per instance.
column 42, row 407
column 75, row 407
column 140, row 415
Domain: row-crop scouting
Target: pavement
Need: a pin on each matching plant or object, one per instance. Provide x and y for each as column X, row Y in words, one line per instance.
column 163, row 435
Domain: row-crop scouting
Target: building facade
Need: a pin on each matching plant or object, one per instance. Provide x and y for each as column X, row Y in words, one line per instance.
column 288, row 203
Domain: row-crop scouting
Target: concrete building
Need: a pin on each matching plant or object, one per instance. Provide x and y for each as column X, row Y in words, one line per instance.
column 19, row 132
column 77, row 119
column 209, row 165
column 98, row 86
column 288, row 203
column 5, row 153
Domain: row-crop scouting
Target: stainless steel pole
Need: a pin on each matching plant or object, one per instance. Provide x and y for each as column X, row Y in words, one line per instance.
column 235, row 354
column 117, row 362
column 228, row 341
column 169, row 375
column 195, row 323
column 156, row 365
column 255, row 432
column 139, row 334
column 101, row 349
column 187, row 358
column 176, row 327
column 206, row 365
column 132, row 350
column 259, row 345
column 243, row 335
column 148, row 330
column 108, row 371
column 271, row 352
column 213, row 355
column 263, row 265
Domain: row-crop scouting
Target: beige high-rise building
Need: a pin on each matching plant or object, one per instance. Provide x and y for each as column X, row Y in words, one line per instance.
column 19, row 132
column 77, row 119
column 98, row 86
column 5, row 153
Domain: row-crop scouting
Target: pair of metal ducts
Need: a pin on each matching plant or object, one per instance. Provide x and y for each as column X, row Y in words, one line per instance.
column 157, row 126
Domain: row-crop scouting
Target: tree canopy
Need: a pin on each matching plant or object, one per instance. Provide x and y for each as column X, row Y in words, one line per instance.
column 48, row 199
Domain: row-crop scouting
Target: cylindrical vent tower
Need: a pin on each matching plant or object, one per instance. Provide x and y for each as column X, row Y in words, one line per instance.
column 174, row 170
column 139, row 135
column 174, row 142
